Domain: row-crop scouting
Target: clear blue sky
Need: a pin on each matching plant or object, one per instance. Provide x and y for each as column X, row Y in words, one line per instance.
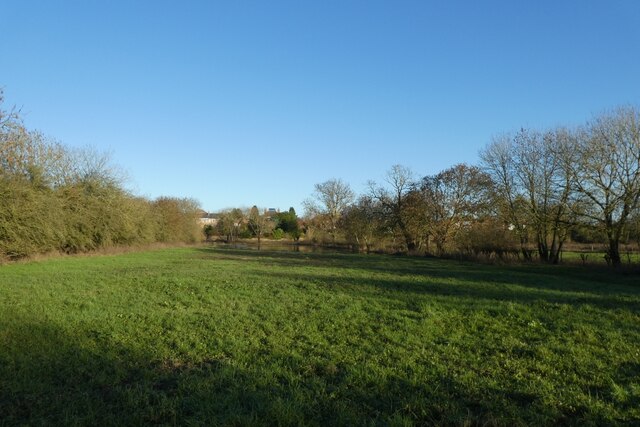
column 238, row 103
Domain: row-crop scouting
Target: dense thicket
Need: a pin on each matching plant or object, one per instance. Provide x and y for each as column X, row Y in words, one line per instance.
column 53, row 198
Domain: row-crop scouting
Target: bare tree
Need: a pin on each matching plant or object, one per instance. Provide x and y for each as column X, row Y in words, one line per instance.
column 330, row 199
column 400, row 203
column 532, row 173
column 258, row 223
column 607, row 173
column 498, row 161
column 543, row 170
column 30, row 155
column 453, row 198
column 8, row 118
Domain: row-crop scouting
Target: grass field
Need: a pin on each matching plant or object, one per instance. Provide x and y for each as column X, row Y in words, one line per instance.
column 202, row 336
column 628, row 258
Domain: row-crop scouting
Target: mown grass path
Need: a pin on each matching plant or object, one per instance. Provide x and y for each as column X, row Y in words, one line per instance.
column 230, row 337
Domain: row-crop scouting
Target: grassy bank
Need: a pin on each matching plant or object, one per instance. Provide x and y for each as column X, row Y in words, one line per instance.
column 241, row 337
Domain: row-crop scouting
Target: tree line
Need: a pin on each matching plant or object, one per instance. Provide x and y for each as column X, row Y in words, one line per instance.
column 533, row 191
column 57, row 199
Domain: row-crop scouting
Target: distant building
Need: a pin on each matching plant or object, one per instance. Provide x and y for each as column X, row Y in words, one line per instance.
column 207, row 218
column 271, row 212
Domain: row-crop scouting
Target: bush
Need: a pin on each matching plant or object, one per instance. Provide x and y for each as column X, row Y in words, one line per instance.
column 56, row 199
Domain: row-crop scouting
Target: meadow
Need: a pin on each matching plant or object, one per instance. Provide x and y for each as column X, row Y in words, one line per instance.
column 214, row 336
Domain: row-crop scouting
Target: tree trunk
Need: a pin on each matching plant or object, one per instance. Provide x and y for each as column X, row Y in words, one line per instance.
column 555, row 253
column 613, row 253
column 410, row 241
column 543, row 249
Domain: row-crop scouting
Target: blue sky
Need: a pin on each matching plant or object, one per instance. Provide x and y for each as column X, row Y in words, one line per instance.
column 238, row 103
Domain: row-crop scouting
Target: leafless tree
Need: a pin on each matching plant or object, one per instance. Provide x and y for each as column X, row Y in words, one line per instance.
column 532, row 173
column 543, row 170
column 330, row 199
column 498, row 160
column 400, row 203
column 8, row 118
column 607, row 173
column 258, row 223
column 453, row 198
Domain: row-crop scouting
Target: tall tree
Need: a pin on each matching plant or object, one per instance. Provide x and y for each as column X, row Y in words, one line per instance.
column 330, row 199
column 453, row 198
column 607, row 173
column 401, row 205
column 545, row 168
column 532, row 174
column 288, row 223
column 498, row 160
column 361, row 222
column 230, row 223
column 259, row 224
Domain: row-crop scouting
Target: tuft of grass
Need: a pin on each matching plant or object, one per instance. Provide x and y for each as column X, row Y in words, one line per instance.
column 208, row 336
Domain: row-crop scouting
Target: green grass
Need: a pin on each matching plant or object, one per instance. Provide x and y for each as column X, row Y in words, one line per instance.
column 598, row 257
column 201, row 336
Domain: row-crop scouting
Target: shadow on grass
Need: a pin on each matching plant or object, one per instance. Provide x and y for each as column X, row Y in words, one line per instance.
column 460, row 293
column 526, row 273
column 525, row 284
column 52, row 377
